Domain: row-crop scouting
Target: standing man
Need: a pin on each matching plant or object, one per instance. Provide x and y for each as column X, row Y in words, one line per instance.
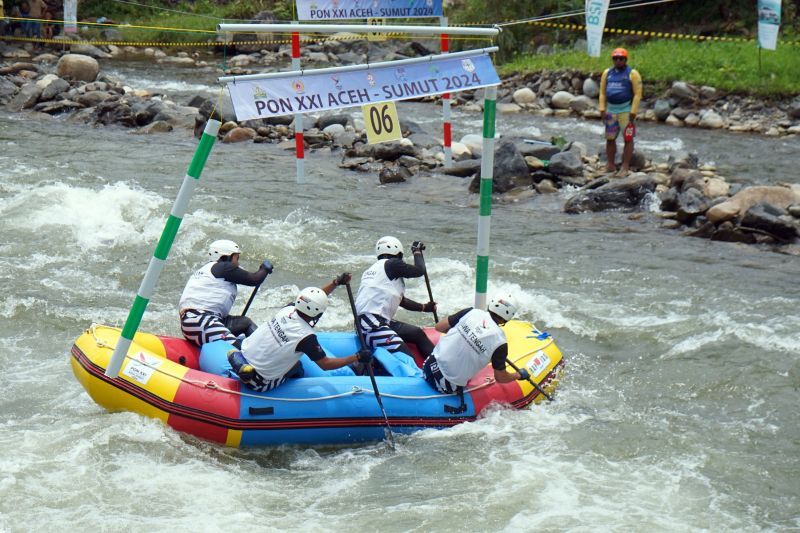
column 473, row 339
column 209, row 295
column 381, row 293
column 620, row 94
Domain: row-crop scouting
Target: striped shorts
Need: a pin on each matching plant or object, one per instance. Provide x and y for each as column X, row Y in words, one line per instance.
column 435, row 378
column 203, row 327
column 257, row 382
column 378, row 334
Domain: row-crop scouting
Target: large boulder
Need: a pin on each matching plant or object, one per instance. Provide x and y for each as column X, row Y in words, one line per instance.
column 509, row 171
column 711, row 120
column 684, row 91
column 53, row 88
column 524, row 96
column 78, row 67
column 26, row 98
column 625, row 193
column 561, row 100
column 691, row 203
column 566, row 164
column 768, row 218
column 581, row 103
column 740, row 202
column 590, row 88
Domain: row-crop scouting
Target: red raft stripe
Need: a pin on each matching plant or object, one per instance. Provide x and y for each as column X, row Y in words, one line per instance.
column 238, row 424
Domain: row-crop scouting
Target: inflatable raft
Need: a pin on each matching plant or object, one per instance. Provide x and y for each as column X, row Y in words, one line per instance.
column 195, row 392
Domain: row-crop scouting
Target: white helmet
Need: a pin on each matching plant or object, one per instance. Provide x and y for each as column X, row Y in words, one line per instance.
column 312, row 302
column 503, row 306
column 222, row 248
column 388, row 245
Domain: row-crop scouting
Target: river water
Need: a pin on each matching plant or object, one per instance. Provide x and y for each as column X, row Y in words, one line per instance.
column 678, row 411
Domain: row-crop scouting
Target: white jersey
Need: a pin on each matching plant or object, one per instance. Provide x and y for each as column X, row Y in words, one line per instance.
column 204, row 292
column 468, row 346
column 272, row 349
column 377, row 294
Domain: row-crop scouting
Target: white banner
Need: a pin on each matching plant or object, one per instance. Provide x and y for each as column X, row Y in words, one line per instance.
column 596, row 11
column 310, row 93
column 769, row 22
column 362, row 9
column 70, row 16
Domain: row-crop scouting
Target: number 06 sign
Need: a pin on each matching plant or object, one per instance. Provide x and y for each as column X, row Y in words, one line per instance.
column 382, row 123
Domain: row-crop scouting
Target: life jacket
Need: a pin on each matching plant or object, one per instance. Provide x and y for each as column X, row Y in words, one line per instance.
column 619, row 88
column 377, row 294
column 204, row 292
column 272, row 349
column 468, row 346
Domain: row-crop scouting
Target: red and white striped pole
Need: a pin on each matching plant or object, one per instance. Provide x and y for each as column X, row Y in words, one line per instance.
column 298, row 117
column 447, row 133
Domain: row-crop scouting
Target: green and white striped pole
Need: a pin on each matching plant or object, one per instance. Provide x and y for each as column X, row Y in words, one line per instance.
column 146, row 289
column 485, row 213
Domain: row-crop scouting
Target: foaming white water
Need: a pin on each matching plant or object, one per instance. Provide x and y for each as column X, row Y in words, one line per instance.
column 167, row 86
column 112, row 214
column 666, row 145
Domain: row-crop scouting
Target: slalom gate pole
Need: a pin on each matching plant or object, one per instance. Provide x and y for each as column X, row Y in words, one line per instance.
column 447, row 139
column 299, row 142
column 157, row 262
column 485, row 212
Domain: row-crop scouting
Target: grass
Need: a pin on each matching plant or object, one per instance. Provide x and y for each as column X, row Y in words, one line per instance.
column 732, row 67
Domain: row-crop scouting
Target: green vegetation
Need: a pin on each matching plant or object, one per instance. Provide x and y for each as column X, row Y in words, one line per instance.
column 728, row 66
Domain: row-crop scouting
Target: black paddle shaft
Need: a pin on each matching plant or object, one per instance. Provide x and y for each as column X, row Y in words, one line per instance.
column 428, row 284
column 535, row 385
column 363, row 344
column 252, row 295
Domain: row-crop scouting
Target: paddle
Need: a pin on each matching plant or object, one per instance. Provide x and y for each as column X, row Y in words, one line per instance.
column 269, row 268
column 535, row 385
column 252, row 295
column 428, row 284
column 362, row 344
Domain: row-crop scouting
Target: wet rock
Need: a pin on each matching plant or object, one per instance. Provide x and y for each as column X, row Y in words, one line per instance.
column 463, row 169
column 743, row 200
column 460, row 151
column 773, row 220
column 692, row 120
column 54, row 108
column 662, row 109
column 333, row 130
column 509, row 167
column 794, row 210
column 158, row 126
column 26, row 98
column 394, row 175
column 45, row 58
column 541, row 151
column 727, row 232
column 704, row 231
column 78, row 67
column 684, row 178
column 53, row 88
column 681, row 112
column 546, row 186
column 566, row 164
column 669, row 200
column 238, row 134
column 691, row 203
column 682, row 160
column 623, row 193
column 672, row 120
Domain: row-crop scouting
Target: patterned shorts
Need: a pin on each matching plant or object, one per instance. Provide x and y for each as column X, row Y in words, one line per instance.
column 615, row 123
column 202, row 327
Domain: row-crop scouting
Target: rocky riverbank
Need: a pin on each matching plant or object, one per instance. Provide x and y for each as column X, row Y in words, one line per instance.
column 686, row 195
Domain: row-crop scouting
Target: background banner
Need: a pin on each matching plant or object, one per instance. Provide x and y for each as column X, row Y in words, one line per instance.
column 769, row 22
column 596, row 11
column 361, row 9
column 310, row 93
